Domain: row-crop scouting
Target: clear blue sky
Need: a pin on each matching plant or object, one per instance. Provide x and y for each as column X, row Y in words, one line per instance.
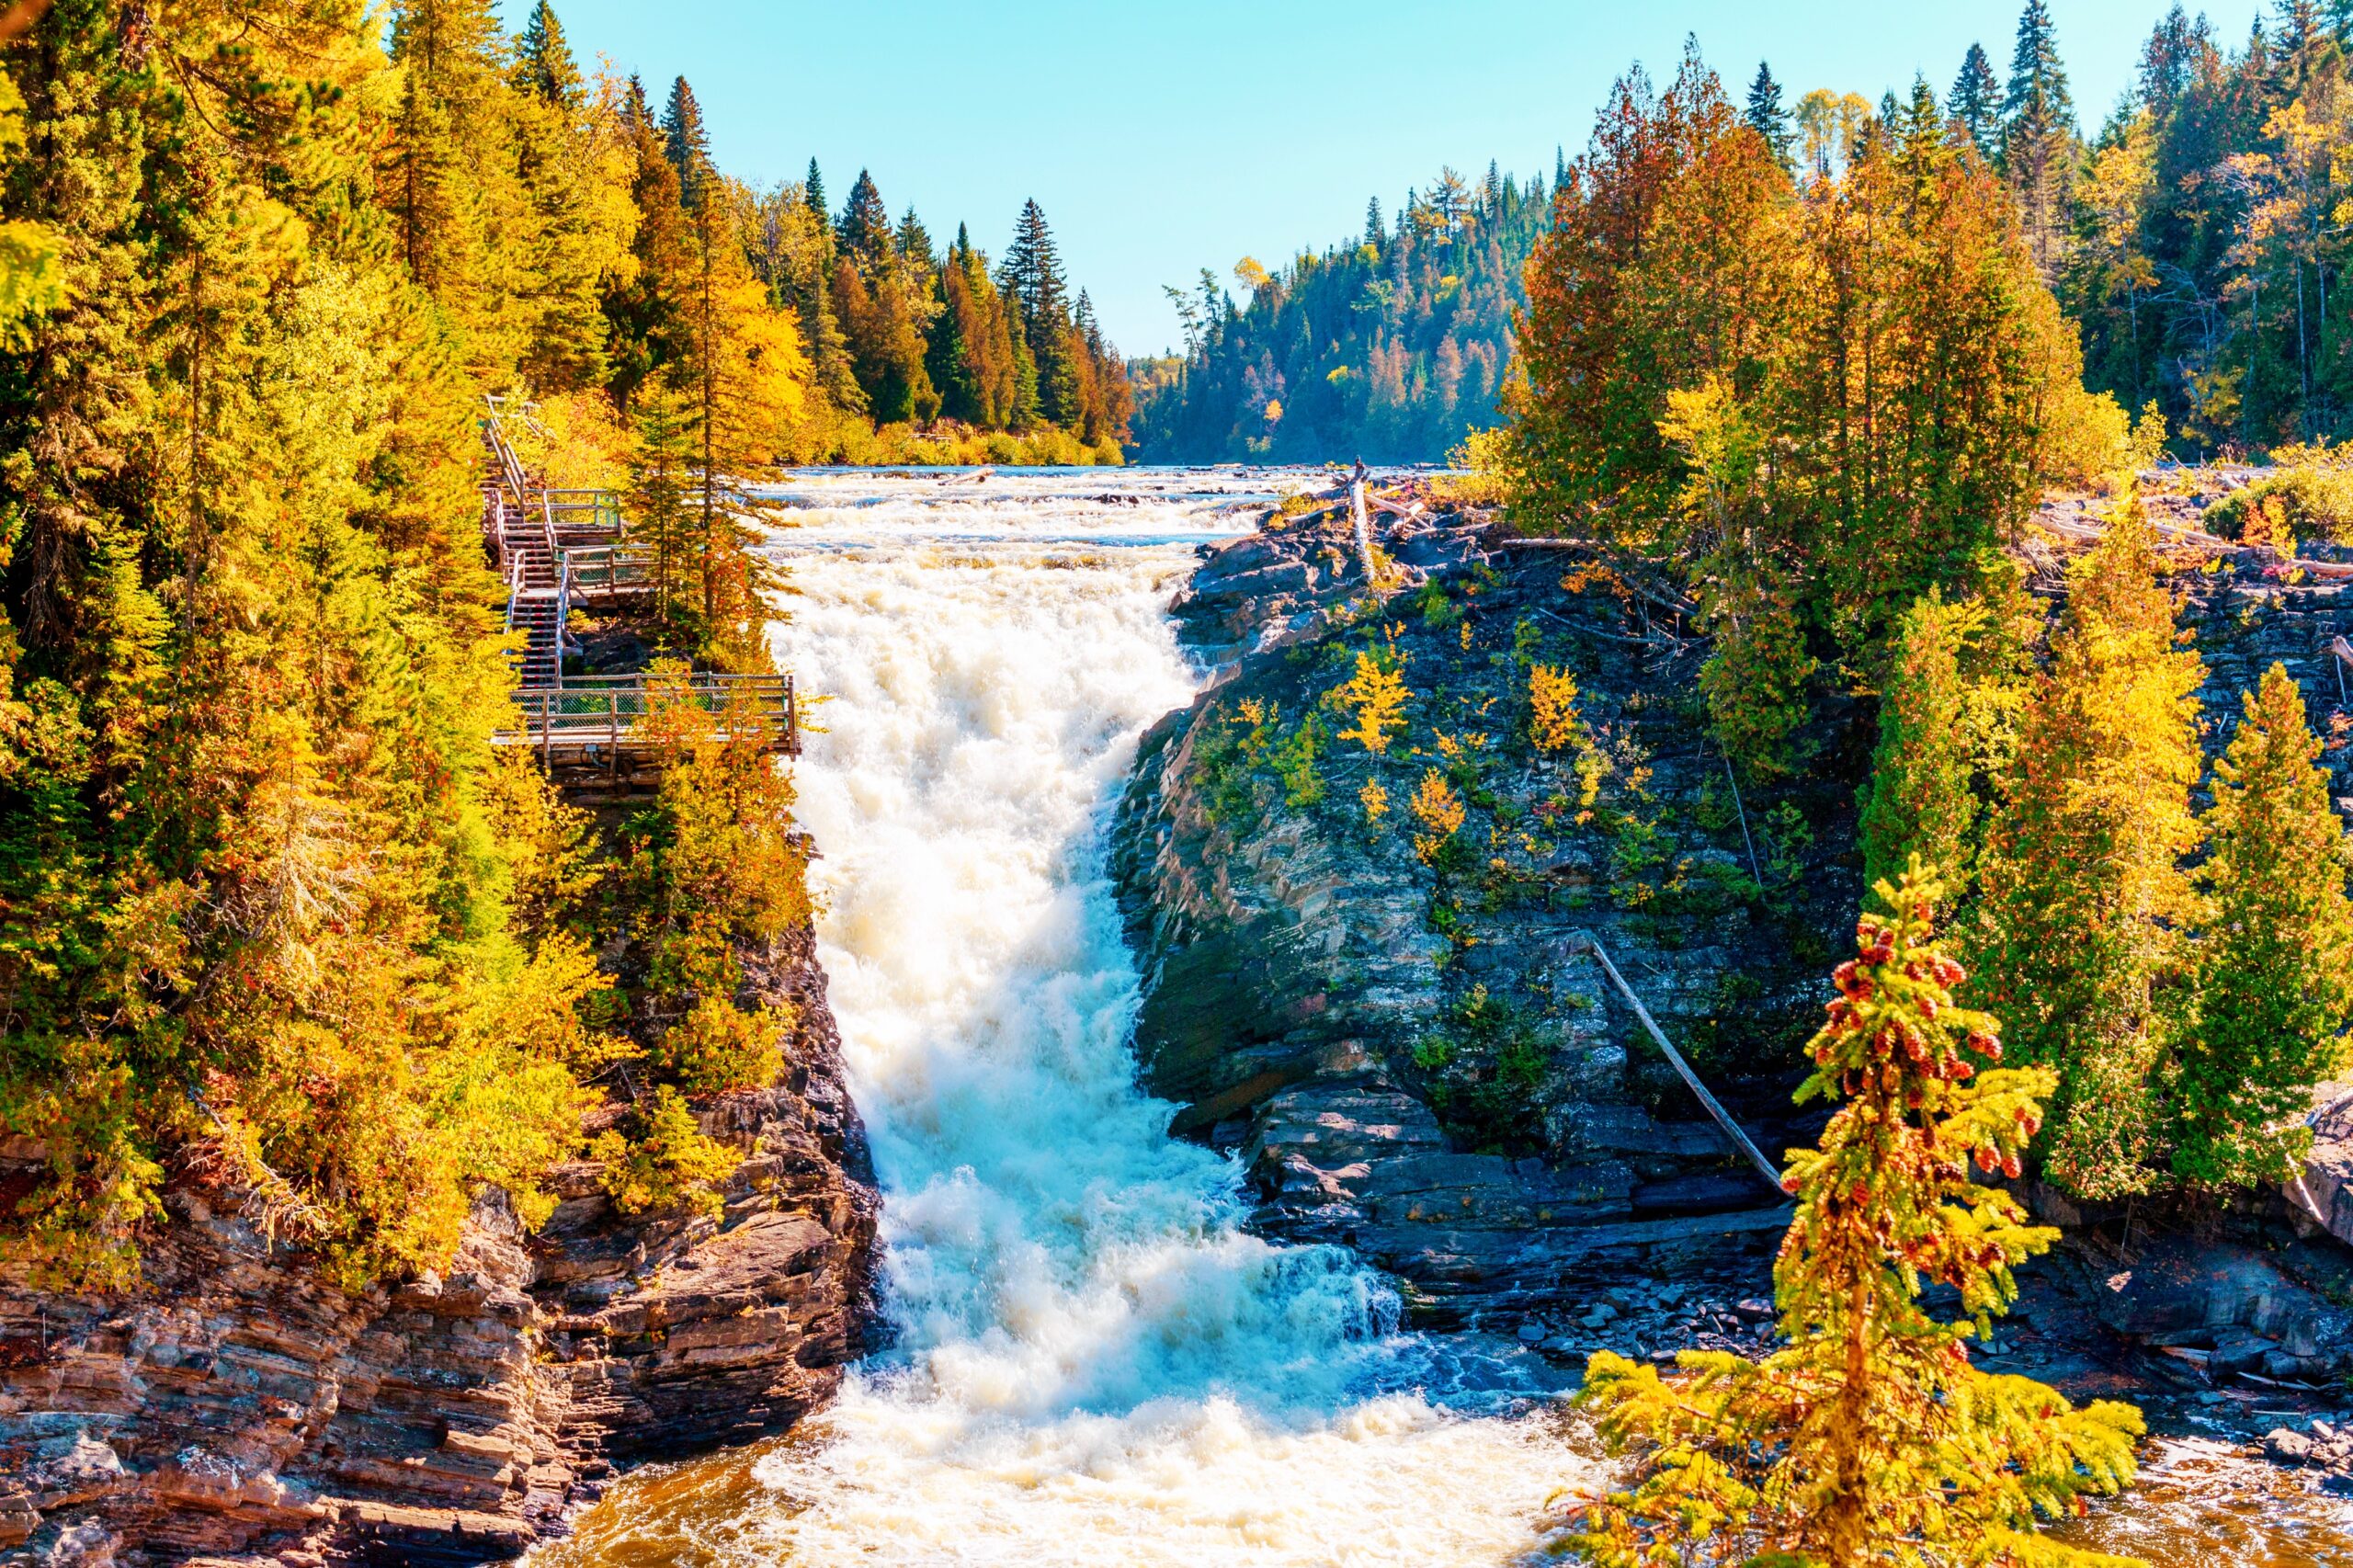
column 1164, row 138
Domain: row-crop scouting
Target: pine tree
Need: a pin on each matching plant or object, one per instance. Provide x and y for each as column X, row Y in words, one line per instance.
column 1871, row 1438
column 1031, row 278
column 685, row 142
column 2275, row 960
column 1768, row 119
column 2039, row 135
column 2084, row 900
column 1375, row 232
column 2038, row 94
column 864, row 230
column 914, row 245
column 2166, row 60
column 544, row 61
column 814, row 189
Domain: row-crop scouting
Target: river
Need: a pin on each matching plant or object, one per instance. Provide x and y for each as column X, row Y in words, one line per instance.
column 1094, row 1362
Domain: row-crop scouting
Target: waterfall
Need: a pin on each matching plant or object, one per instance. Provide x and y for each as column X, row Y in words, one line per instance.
column 1094, row 1361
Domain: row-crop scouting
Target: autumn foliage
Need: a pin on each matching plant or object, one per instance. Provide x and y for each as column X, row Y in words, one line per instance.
column 1817, row 397
column 1871, row 1438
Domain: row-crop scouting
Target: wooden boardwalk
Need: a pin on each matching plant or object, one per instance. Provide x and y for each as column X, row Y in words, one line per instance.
column 554, row 549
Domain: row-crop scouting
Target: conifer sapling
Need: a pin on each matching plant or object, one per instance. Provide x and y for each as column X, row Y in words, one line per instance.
column 1871, row 1438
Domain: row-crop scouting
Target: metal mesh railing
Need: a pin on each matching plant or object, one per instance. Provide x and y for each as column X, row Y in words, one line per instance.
column 598, row 712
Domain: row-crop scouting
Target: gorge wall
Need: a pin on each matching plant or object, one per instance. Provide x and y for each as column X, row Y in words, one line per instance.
column 1409, row 1055
column 236, row 1408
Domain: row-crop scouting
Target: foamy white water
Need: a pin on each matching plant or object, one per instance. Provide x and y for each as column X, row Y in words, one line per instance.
column 1095, row 1363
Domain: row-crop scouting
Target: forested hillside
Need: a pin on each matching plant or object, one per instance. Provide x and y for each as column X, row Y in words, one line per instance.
column 1392, row 348
column 2194, row 236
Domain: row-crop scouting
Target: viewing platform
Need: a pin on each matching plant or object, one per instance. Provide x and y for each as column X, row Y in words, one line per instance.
column 555, row 549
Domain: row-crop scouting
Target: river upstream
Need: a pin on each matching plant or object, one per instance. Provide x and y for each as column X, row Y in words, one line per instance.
column 1094, row 1362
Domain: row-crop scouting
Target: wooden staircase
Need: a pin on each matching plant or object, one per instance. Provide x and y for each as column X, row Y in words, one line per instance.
column 557, row 548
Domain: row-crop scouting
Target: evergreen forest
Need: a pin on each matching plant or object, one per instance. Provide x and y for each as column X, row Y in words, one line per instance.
column 1393, row 347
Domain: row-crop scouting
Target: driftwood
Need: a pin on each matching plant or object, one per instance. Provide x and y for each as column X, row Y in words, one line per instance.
column 1580, row 941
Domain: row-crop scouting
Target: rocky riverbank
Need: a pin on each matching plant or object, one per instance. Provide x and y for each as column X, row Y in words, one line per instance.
column 237, row 1409
column 1413, row 1058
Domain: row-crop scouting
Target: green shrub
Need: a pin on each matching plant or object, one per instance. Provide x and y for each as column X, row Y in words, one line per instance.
column 658, row 1160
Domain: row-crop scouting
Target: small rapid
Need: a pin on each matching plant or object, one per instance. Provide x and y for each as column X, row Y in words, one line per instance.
column 1094, row 1361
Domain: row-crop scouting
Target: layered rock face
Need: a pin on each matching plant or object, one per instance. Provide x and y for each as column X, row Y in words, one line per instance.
column 1325, row 1002
column 237, row 1409
column 1413, row 1062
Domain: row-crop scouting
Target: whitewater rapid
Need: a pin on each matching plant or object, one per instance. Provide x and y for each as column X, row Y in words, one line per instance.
column 1094, row 1362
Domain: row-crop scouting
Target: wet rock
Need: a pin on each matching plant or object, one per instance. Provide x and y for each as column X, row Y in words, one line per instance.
column 2220, row 1293
column 2283, row 1446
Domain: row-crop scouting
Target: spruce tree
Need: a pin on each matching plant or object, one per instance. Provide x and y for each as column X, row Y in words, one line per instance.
column 2084, row 898
column 1871, row 1438
column 814, row 189
column 2037, row 96
column 1032, row 279
column 914, row 245
column 1768, row 118
column 1375, row 233
column 685, row 142
column 864, row 230
column 1922, row 801
column 2039, row 135
column 2275, row 953
column 1976, row 102
column 2166, row 60
column 544, row 61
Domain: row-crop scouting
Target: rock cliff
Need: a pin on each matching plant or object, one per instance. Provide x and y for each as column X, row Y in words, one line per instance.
column 1399, row 1044
column 1387, row 1020
column 235, row 1408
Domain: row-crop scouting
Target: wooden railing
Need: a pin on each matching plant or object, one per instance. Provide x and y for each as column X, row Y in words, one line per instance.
column 607, row 713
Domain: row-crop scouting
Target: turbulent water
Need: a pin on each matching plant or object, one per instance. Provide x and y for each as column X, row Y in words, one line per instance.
column 1094, row 1363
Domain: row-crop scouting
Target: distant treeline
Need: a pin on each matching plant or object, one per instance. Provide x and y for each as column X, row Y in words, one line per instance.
column 1392, row 346
column 2195, row 238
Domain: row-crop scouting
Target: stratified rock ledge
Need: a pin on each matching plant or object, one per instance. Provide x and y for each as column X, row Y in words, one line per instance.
column 237, row 1409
